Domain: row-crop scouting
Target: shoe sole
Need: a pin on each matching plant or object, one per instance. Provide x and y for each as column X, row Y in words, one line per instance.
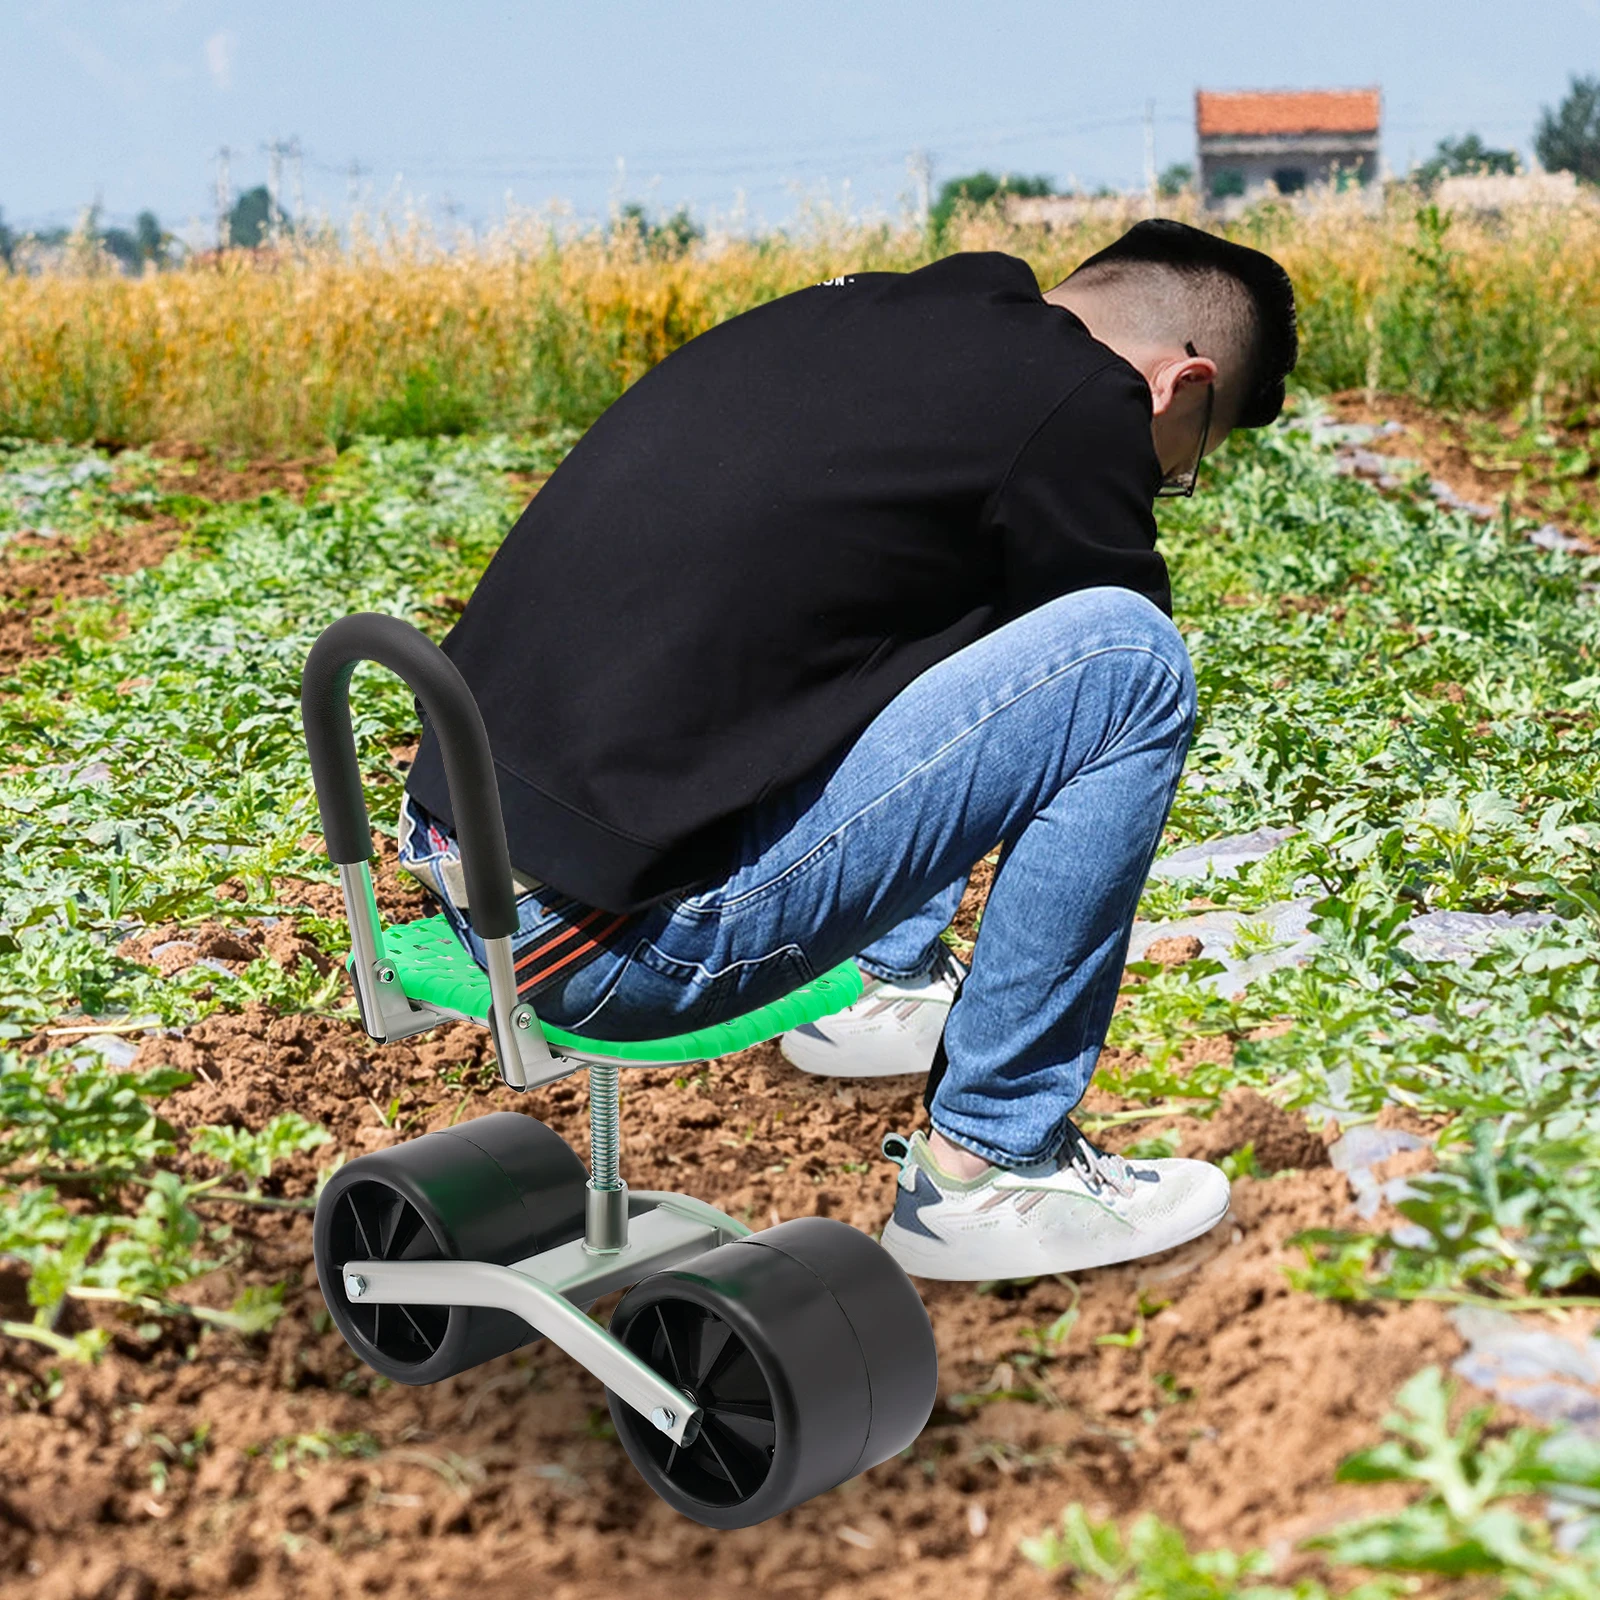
column 920, row 1259
column 837, row 1064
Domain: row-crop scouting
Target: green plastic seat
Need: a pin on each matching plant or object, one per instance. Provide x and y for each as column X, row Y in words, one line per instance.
column 435, row 968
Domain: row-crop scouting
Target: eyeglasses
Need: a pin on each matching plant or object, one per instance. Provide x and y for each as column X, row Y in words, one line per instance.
column 1173, row 484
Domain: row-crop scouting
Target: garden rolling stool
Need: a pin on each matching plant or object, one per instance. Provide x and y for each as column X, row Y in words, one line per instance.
column 745, row 1371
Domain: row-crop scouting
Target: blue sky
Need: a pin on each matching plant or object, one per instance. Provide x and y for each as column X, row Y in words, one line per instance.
column 459, row 105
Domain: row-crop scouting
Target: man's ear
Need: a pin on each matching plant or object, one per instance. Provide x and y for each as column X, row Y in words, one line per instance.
column 1175, row 373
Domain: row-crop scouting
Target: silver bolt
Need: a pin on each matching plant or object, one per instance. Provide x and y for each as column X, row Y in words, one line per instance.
column 663, row 1418
column 355, row 1285
column 385, row 974
column 524, row 1021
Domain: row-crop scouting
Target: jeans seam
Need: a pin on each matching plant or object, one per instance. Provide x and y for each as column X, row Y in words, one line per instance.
column 992, row 1153
column 892, row 977
column 762, row 889
column 705, row 973
column 612, row 984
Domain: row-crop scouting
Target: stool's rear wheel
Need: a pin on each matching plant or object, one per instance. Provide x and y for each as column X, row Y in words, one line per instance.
column 807, row 1349
column 496, row 1189
column 730, row 1457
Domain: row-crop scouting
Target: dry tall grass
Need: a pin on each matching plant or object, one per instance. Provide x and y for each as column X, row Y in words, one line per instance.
column 537, row 325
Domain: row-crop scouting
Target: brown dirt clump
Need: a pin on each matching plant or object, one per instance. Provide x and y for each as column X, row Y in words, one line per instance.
column 1227, row 1413
column 1442, row 445
column 400, row 897
column 1228, row 1416
column 172, row 948
column 1281, row 1141
column 1174, row 950
column 193, row 469
column 38, row 576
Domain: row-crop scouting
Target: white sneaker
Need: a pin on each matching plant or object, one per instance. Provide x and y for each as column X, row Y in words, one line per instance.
column 893, row 1028
column 1083, row 1208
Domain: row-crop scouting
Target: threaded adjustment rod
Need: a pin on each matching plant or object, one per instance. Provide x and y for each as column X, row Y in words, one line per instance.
column 606, row 1218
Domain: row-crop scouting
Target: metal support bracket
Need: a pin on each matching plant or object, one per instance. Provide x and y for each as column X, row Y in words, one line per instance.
column 388, row 1013
column 546, row 1291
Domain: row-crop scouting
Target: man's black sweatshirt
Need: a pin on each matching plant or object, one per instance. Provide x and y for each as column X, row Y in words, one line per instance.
column 771, row 534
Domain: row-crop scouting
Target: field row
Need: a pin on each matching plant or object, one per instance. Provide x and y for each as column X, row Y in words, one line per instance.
column 1409, row 696
column 536, row 327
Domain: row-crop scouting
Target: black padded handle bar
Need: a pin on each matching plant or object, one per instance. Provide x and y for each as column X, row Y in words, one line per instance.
column 453, row 714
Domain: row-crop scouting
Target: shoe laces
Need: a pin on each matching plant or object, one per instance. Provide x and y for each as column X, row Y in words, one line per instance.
column 1098, row 1168
column 948, row 965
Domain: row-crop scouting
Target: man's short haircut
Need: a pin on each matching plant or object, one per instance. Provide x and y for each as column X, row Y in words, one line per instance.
column 1257, row 326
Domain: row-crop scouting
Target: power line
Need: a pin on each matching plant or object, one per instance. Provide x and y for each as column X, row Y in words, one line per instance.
column 705, row 162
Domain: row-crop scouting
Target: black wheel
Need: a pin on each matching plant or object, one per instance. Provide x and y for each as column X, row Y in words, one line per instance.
column 497, row 1189
column 807, row 1348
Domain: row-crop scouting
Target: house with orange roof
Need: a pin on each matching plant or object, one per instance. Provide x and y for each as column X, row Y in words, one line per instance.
column 1293, row 139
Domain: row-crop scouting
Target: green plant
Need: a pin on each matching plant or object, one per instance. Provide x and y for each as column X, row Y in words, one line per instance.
column 1568, row 138
column 1174, row 179
column 324, row 1444
column 255, row 1154
column 1153, row 1562
column 976, row 190
column 1465, row 1523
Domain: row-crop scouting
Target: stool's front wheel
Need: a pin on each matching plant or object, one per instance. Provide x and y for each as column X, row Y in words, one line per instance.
column 498, row 1188
column 809, row 1353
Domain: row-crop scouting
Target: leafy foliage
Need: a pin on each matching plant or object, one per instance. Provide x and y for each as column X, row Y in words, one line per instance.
column 1174, row 179
column 1327, row 716
column 1465, row 1522
column 149, row 767
column 979, row 189
column 1460, row 157
column 1568, row 138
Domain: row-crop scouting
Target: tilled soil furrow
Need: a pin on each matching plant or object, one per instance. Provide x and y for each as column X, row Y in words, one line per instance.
column 1228, row 1416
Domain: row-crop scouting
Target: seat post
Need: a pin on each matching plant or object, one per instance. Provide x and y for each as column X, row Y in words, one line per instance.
column 606, row 1204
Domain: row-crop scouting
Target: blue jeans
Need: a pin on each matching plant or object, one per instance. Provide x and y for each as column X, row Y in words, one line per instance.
column 1063, row 733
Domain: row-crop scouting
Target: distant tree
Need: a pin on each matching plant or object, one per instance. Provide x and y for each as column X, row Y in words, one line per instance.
column 1457, row 158
column 8, row 240
column 120, row 243
column 1568, row 138
column 678, row 232
column 134, row 247
column 668, row 239
column 981, row 189
column 1175, row 179
column 152, row 241
column 251, row 216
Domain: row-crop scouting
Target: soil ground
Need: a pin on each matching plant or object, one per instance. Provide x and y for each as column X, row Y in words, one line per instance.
column 1228, row 1415
column 39, row 575
column 1454, row 453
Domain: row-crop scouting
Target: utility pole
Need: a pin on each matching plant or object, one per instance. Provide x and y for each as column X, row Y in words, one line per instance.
column 298, row 170
column 352, row 192
column 920, row 166
column 1150, row 150
column 224, row 198
column 274, row 151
